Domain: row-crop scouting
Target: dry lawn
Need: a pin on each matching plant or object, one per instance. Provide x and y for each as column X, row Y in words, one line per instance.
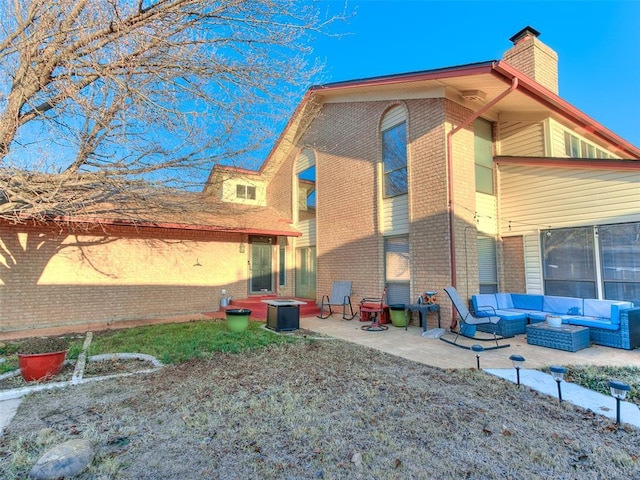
column 320, row 409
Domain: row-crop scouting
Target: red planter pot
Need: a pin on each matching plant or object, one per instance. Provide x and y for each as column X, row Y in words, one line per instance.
column 40, row 366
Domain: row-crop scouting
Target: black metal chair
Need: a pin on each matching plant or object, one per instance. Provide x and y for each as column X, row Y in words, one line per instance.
column 468, row 321
column 340, row 295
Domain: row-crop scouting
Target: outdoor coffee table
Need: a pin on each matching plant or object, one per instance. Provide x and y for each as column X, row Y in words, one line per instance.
column 566, row 337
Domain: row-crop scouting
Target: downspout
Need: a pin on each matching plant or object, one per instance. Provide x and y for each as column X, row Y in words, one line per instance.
column 464, row 124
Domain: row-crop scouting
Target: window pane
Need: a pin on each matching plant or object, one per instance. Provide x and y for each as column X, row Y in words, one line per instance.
column 571, row 145
column 397, row 269
column 394, row 159
column 568, row 262
column 487, row 265
column 397, row 259
column 620, row 251
column 251, row 193
column 484, row 180
column 394, row 147
column 483, row 155
column 240, row 191
column 395, row 183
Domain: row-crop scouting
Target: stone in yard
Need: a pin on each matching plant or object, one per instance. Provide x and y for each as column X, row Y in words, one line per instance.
column 64, row 460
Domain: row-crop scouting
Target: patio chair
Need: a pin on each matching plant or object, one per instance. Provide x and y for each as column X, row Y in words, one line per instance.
column 340, row 295
column 469, row 321
column 374, row 309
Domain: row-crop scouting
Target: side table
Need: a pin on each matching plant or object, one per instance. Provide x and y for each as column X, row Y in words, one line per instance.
column 423, row 309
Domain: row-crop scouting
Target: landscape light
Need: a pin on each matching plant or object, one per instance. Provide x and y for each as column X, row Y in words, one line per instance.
column 558, row 376
column 619, row 391
column 517, row 361
column 478, row 349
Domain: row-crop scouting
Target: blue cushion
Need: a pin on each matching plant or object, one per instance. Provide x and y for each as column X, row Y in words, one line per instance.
column 593, row 322
column 484, row 301
column 504, row 300
column 562, row 305
column 609, row 309
column 526, row 302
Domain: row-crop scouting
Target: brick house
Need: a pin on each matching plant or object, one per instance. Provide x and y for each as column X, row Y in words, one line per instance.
column 94, row 273
column 479, row 176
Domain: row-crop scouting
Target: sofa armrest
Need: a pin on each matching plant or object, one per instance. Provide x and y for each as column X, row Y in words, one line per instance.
column 630, row 327
column 485, row 311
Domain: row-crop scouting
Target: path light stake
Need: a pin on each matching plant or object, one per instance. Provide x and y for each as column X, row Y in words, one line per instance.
column 517, row 360
column 558, row 376
column 619, row 391
column 478, row 349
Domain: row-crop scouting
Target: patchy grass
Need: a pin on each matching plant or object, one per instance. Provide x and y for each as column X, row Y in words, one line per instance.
column 596, row 378
column 318, row 409
column 182, row 342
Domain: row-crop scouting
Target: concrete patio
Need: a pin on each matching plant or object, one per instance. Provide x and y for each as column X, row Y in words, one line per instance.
column 412, row 345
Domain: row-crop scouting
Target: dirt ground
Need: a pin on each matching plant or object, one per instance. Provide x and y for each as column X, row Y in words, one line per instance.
column 320, row 409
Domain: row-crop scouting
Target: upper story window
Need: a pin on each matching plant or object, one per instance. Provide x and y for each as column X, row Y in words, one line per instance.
column 394, row 152
column 577, row 148
column 483, row 155
column 246, row 192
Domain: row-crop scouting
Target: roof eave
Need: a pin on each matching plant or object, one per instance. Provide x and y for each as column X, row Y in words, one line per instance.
column 564, row 108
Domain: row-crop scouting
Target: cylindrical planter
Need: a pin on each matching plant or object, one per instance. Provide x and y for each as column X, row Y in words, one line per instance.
column 40, row 366
column 397, row 315
column 238, row 319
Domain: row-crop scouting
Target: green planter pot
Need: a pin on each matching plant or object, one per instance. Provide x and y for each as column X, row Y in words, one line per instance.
column 238, row 319
column 397, row 315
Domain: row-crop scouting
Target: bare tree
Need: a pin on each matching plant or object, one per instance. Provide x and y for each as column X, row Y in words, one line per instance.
column 101, row 98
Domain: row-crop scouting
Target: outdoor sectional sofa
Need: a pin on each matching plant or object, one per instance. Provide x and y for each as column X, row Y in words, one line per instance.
column 611, row 323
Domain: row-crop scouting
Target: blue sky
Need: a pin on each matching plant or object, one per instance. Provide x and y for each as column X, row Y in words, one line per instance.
column 598, row 44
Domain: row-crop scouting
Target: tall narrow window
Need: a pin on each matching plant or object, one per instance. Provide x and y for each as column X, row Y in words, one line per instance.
column 394, row 159
column 487, row 265
column 282, row 261
column 397, row 269
column 483, row 154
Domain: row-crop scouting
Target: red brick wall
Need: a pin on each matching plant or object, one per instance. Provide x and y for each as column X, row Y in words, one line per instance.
column 513, row 274
column 50, row 277
column 464, row 201
column 347, row 144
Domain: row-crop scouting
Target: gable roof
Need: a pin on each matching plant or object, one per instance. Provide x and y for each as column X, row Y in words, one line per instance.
column 492, row 77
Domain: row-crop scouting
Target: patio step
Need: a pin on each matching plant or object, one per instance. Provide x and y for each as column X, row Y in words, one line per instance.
column 259, row 308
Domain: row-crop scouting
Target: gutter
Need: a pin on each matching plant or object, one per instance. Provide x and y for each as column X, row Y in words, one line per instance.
column 450, row 134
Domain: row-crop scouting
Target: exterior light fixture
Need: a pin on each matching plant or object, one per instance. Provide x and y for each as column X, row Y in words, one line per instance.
column 517, row 361
column 619, row 391
column 242, row 248
column 478, row 349
column 558, row 376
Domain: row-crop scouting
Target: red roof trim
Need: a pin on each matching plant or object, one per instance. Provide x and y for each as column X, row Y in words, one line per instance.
column 176, row 226
column 459, row 71
column 561, row 106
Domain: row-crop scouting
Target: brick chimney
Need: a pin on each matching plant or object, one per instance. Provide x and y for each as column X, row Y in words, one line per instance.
column 533, row 58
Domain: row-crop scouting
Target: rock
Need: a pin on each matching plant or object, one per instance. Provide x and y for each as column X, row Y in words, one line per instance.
column 64, row 460
column 356, row 459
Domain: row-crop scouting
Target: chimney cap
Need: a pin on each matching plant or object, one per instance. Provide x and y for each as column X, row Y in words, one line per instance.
column 523, row 33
